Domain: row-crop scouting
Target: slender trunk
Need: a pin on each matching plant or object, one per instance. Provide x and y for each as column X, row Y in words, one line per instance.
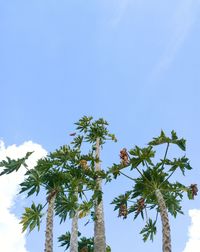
column 49, row 223
column 165, row 222
column 99, row 226
column 74, row 232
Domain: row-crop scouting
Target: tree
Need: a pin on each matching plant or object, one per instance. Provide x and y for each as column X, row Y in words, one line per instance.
column 153, row 189
column 69, row 165
column 96, row 133
column 45, row 174
column 69, row 182
column 62, row 173
column 55, row 174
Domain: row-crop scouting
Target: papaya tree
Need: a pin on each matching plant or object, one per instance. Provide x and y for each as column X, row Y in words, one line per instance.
column 74, row 202
column 96, row 134
column 64, row 182
column 66, row 175
column 58, row 176
column 153, row 188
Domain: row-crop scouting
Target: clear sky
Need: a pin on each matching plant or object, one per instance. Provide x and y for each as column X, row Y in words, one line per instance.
column 133, row 62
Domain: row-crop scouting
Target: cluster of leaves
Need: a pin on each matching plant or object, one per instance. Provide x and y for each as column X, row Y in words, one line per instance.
column 92, row 130
column 153, row 176
column 149, row 230
column 12, row 165
column 84, row 244
column 61, row 172
column 162, row 139
column 32, row 217
column 58, row 172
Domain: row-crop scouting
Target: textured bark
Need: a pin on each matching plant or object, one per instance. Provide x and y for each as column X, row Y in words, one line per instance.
column 165, row 222
column 99, row 226
column 74, row 233
column 49, row 224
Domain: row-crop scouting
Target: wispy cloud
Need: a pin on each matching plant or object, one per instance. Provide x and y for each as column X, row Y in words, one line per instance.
column 12, row 239
column 184, row 18
column 193, row 244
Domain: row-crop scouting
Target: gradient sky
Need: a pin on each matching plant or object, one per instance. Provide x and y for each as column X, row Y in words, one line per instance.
column 134, row 63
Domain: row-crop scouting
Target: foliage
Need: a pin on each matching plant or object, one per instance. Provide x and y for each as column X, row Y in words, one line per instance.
column 92, row 130
column 67, row 170
column 84, row 244
column 32, row 217
column 62, row 172
column 12, row 165
column 152, row 176
column 149, row 230
column 162, row 139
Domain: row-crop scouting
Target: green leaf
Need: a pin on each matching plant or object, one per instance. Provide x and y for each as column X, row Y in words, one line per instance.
column 85, row 208
column 32, row 183
column 172, row 201
column 99, row 130
column 84, row 123
column 182, row 163
column 65, row 205
column 113, row 138
column 108, row 248
column 13, row 165
column 32, row 217
column 115, row 170
column 160, row 139
column 97, row 195
column 149, row 230
column 174, row 136
column 181, row 143
column 141, row 156
column 65, row 240
column 121, row 200
column 77, row 142
column 86, row 243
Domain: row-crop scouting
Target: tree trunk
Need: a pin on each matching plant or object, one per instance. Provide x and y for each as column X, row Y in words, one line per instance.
column 165, row 222
column 74, row 232
column 99, row 226
column 49, row 223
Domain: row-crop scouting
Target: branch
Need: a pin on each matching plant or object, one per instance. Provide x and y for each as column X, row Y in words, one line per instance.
column 126, row 175
column 163, row 162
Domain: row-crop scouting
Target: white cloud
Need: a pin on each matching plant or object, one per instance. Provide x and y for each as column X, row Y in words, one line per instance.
column 193, row 244
column 12, row 239
column 184, row 18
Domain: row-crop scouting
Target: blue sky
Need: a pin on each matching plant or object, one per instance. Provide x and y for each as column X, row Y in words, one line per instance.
column 135, row 63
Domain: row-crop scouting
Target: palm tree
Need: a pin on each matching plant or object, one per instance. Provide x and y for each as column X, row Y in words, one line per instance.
column 152, row 189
